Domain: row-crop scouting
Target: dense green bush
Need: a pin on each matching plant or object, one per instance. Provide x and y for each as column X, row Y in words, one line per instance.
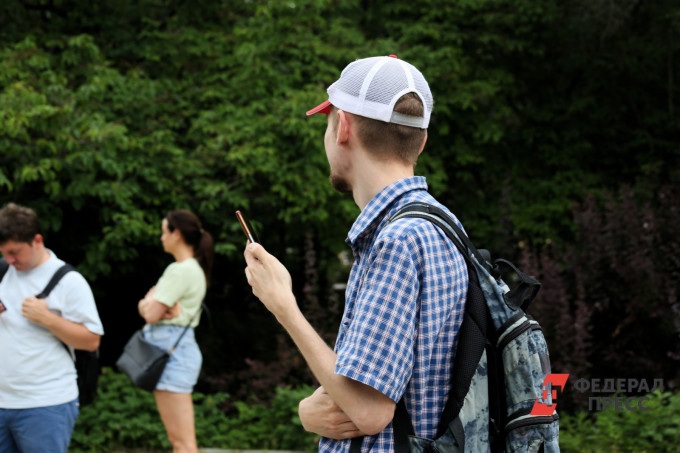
column 124, row 416
column 612, row 431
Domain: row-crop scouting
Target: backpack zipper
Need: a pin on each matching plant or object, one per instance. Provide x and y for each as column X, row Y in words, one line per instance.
column 517, row 331
column 524, row 418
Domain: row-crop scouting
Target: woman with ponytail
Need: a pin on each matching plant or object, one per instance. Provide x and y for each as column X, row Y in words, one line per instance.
column 167, row 308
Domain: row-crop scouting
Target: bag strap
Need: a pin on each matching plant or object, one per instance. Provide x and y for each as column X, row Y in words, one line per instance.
column 56, row 277
column 3, row 268
column 63, row 270
column 519, row 297
column 472, row 333
column 445, row 222
column 525, row 291
column 172, row 349
column 401, row 427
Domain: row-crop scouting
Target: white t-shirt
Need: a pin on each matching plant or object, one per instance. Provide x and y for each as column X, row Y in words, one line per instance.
column 36, row 370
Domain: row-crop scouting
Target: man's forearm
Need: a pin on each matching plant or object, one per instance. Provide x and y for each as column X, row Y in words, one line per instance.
column 73, row 334
column 367, row 408
column 370, row 410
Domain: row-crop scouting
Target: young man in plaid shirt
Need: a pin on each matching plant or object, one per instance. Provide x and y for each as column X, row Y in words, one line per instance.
column 406, row 293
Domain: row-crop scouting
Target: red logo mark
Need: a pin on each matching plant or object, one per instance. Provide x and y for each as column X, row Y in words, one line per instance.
column 548, row 404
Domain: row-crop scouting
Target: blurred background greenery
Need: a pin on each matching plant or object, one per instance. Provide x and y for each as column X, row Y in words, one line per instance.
column 555, row 139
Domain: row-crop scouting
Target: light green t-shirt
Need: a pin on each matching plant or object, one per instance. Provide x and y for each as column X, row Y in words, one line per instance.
column 184, row 283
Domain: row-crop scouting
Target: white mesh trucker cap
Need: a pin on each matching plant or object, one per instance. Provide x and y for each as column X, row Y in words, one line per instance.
column 370, row 87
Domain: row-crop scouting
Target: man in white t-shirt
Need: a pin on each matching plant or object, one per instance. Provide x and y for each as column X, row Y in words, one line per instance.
column 38, row 387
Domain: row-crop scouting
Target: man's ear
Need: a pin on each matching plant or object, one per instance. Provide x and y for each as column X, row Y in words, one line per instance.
column 344, row 125
column 38, row 240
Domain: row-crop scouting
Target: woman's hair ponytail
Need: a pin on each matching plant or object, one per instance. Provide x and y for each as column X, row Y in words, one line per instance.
column 193, row 234
column 205, row 252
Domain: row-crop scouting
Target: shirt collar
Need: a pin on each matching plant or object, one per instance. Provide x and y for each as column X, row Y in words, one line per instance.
column 371, row 216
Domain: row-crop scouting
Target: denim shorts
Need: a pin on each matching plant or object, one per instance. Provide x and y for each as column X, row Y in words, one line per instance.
column 39, row 429
column 181, row 373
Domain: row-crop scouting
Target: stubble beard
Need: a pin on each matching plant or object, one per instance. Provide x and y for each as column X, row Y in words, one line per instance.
column 340, row 184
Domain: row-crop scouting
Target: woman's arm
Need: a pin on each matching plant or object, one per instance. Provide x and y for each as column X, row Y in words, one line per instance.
column 153, row 311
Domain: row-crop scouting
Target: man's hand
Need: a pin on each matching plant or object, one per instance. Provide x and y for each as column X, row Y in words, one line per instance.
column 73, row 334
column 36, row 310
column 270, row 280
column 368, row 409
column 321, row 415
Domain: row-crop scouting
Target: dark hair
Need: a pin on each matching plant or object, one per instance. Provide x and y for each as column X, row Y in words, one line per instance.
column 193, row 234
column 18, row 223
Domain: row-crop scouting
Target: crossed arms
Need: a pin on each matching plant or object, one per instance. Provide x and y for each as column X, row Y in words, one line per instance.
column 152, row 310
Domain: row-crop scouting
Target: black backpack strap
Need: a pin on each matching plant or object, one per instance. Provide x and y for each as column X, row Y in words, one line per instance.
column 63, row 270
column 473, row 330
column 525, row 291
column 471, row 336
column 445, row 222
column 3, row 268
column 355, row 445
column 519, row 297
column 56, row 277
column 401, row 426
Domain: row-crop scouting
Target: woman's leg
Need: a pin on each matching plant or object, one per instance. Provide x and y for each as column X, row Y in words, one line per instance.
column 177, row 413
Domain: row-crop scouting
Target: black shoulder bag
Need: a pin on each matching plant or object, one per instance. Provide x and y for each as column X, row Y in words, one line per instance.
column 144, row 362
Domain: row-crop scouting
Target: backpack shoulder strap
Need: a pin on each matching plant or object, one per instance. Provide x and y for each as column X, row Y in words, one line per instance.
column 519, row 297
column 3, row 268
column 63, row 270
column 473, row 330
column 445, row 222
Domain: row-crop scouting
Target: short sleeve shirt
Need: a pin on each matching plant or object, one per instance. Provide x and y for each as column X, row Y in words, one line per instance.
column 404, row 305
column 182, row 282
column 36, row 370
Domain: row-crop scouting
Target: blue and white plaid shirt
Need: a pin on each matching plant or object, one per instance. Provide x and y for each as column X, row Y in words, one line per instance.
column 403, row 307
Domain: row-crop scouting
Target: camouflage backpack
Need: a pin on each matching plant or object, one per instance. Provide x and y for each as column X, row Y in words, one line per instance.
column 500, row 365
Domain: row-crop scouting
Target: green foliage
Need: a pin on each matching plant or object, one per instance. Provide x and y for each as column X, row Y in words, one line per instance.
column 654, row 430
column 114, row 112
column 124, row 416
column 536, row 103
column 121, row 416
column 70, row 142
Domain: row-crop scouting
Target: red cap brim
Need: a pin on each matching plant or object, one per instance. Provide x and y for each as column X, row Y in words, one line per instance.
column 324, row 107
